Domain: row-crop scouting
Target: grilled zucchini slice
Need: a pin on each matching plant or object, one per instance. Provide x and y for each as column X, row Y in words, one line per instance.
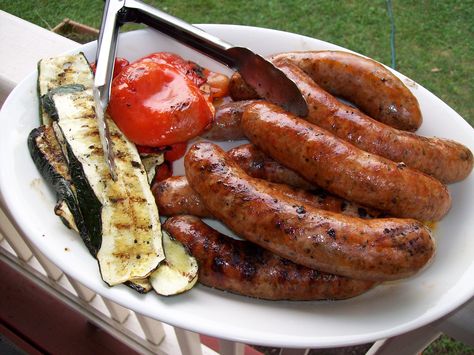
column 47, row 155
column 121, row 216
column 150, row 162
column 178, row 273
column 61, row 71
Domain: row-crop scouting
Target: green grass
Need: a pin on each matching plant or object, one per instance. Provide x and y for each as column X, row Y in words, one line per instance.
column 434, row 41
column 446, row 345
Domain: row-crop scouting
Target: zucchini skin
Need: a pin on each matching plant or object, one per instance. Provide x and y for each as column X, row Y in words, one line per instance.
column 90, row 206
column 47, row 101
column 51, row 164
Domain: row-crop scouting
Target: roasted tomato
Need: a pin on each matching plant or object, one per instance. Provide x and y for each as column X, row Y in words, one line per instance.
column 218, row 83
column 163, row 172
column 175, row 151
column 119, row 64
column 194, row 72
column 155, row 104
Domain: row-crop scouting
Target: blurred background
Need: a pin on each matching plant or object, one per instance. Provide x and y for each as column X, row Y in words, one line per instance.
column 432, row 42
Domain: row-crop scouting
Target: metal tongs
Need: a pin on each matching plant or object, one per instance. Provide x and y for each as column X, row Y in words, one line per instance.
column 267, row 80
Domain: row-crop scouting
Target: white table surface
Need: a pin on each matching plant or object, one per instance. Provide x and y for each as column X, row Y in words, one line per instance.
column 22, row 44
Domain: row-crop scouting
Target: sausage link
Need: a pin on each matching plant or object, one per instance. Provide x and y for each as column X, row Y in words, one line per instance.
column 259, row 165
column 363, row 81
column 174, row 196
column 343, row 169
column 226, row 123
column 368, row 249
column 244, row 268
column 240, row 90
column 446, row 160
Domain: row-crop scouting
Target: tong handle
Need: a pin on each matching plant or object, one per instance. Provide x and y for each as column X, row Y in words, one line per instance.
column 106, row 49
column 190, row 35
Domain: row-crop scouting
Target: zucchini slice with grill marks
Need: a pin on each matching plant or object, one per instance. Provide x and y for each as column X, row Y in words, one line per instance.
column 178, row 273
column 150, row 162
column 60, row 71
column 121, row 214
column 48, row 157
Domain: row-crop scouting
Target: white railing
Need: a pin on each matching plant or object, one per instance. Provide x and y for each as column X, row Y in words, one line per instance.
column 28, row 43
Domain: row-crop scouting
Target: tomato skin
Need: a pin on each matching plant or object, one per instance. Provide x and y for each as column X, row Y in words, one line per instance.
column 154, row 105
column 176, row 151
column 163, row 172
column 120, row 63
column 194, row 72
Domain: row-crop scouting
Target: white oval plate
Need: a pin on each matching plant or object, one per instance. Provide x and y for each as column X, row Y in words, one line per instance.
column 388, row 310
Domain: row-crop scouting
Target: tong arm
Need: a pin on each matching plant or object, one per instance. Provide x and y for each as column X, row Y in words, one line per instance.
column 190, row 35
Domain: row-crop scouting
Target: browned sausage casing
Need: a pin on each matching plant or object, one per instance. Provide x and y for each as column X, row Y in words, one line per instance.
column 366, row 83
column 226, row 123
column 446, row 160
column 343, row 169
column 259, row 165
column 174, row 196
column 370, row 249
column 246, row 269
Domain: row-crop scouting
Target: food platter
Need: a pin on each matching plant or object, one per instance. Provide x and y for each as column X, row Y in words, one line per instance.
column 389, row 309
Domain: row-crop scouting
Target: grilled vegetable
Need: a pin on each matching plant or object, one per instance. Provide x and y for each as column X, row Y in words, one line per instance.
column 118, row 220
column 47, row 102
column 64, row 213
column 121, row 216
column 60, row 71
column 48, row 158
column 176, row 274
column 140, row 285
column 150, row 161
column 179, row 271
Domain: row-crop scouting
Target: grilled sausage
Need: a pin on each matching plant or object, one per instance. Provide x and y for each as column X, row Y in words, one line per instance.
column 446, row 160
column 174, row 196
column 239, row 90
column 343, row 169
column 366, row 83
column 226, row 123
column 257, row 164
column 369, row 249
column 244, row 268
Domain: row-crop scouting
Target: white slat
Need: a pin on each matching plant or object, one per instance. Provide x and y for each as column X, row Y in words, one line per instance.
column 117, row 312
column 227, row 347
column 189, row 342
column 407, row 344
column 14, row 240
column 53, row 272
column 82, row 291
column 152, row 329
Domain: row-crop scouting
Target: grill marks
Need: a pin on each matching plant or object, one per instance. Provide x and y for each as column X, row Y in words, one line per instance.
column 245, row 268
column 131, row 246
column 318, row 239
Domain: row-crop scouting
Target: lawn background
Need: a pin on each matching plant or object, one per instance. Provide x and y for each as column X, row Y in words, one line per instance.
column 434, row 40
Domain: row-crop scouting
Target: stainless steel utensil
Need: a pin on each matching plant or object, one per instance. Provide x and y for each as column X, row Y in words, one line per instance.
column 267, row 80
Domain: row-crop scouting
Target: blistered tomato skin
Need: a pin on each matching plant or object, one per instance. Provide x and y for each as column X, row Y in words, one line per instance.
column 154, row 104
column 194, row 72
